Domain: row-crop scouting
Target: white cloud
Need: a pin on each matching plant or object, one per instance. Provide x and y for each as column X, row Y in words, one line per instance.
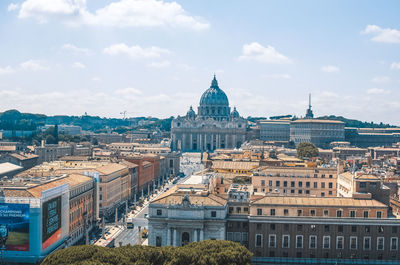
column 379, row 34
column 330, row 69
column 12, row 7
column 278, row 76
column 6, row 70
column 72, row 48
column 129, row 91
column 380, row 79
column 123, row 13
column 135, row 51
column 78, row 65
column 33, row 65
column 395, row 66
column 256, row 52
column 377, row 91
column 162, row 64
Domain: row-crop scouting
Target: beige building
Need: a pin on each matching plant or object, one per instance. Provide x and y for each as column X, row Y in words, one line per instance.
column 296, row 181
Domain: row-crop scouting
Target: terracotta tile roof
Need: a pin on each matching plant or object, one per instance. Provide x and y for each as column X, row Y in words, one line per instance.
column 234, row 165
column 10, row 192
column 318, row 202
column 111, row 168
column 206, row 200
column 24, row 156
column 73, row 180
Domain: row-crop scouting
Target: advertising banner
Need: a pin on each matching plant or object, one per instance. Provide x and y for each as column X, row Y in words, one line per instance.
column 51, row 225
column 14, row 226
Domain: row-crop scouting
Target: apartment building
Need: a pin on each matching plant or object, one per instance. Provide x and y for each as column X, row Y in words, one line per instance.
column 296, row 181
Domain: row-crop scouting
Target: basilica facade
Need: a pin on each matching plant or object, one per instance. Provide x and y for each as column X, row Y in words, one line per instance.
column 214, row 126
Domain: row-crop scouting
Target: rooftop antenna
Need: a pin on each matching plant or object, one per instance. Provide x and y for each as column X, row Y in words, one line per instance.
column 309, row 100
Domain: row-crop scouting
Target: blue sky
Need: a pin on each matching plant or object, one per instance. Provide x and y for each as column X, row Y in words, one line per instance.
column 155, row 58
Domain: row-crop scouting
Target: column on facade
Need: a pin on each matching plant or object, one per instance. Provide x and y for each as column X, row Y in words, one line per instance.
column 205, row 141
column 226, row 141
column 201, row 234
column 200, row 142
column 184, row 141
column 195, row 235
column 191, row 141
column 219, row 141
column 168, row 236
column 175, row 238
column 212, row 141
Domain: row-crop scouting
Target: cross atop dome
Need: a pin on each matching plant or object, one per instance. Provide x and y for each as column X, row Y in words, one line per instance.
column 214, row 82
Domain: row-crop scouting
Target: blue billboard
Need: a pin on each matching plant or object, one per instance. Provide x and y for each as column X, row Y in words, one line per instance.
column 14, row 226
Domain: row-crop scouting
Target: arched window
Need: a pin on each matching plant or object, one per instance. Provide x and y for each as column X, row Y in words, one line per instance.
column 185, row 238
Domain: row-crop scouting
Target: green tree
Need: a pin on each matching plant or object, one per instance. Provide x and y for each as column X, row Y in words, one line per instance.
column 50, row 139
column 307, row 150
column 208, row 252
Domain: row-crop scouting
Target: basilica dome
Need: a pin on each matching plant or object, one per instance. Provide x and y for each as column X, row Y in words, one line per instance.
column 214, row 95
column 214, row 103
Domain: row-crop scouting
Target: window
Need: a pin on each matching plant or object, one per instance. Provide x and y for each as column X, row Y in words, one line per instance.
column 286, row 227
column 313, row 242
column 159, row 212
column 367, row 229
column 158, row 241
column 339, row 242
column 272, row 227
column 259, row 226
column 363, row 184
column 380, row 229
column 322, row 194
column 272, row 212
column 315, row 185
column 285, row 183
column 394, row 229
column 238, row 210
column 312, row 212
column 259, row 211
column 259, row 239
column 353, row 242
column 292, row 184
column 285, row 212
column 299, row 228
column 307, row 191
column 313, row 228
column 353, row 228
column 380, row 241
column 300, row 191
column 379, row 214
column 285, row 241
column 340, row 228
column 245, row 236
column 262, row 182
column 300, row 184
column 367, row 243
column 307, row 184
column 352, row 214
column 229, row 236
column 330, row 176
column 365, row 214
column 326, row 228
column 246, row 209
column 270, row 183
column 339, row 213
column 323, row 185
column 326, row 242
column 326, row 212
column 230, row 209
column 299, row 241
column 272, row 241
column 330, row 185
column 393, row 243
column 237, row 237
column 299, row 212
column 278, row 183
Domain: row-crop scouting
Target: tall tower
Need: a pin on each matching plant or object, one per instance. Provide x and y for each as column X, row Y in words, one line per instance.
column 309, row 113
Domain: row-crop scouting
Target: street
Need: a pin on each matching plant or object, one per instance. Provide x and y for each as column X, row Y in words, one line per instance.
column 190, row 163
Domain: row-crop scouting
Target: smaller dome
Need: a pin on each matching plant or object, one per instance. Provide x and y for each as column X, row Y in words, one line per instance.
column 191, row 113
column 235, row 113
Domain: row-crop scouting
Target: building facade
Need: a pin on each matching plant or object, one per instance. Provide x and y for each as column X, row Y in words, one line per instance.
column 213, row 127
column 319, row 132
column 274, row 130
